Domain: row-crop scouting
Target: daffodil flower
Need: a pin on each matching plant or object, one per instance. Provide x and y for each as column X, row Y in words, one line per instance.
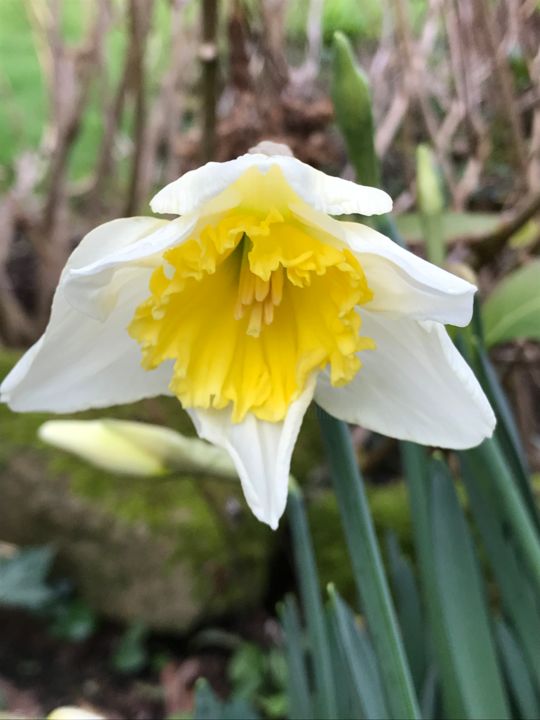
column 251, row 303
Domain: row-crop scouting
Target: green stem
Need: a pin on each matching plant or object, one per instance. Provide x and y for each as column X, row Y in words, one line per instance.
column 368, row 567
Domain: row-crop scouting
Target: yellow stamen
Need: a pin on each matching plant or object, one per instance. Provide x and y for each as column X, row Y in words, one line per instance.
column 268, row 311
column 277, row 286
column 262, row 288
column 255, row 320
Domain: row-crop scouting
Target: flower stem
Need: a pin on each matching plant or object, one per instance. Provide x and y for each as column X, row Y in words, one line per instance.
column 368, row 567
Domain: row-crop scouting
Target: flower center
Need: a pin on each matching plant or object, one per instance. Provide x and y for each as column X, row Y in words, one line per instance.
column 248, row 309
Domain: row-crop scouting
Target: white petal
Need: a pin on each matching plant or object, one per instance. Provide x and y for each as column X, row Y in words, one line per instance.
column 404, row 283
column 261, row 452
column 326, row 193
column 81, row 363
column 414, row 386
column 108, row 249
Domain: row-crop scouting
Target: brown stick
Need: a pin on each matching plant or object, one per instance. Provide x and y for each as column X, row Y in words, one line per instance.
column 140, row 17
column 208, row 58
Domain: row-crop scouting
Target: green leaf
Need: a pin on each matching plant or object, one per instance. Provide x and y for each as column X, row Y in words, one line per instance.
column 512, row 311
column 419, row 482
column 22, row 578
column 131, row 655
column 517, row 672
column 300, row 705
column 209, row 707
column 470, row 342
column 488, row 462
column 409, row 610
column 349, row 705
column 368, row 568
column 326, row 702
column 463, row 606
column 430, row 695
column 360, row 660
column 518, row 598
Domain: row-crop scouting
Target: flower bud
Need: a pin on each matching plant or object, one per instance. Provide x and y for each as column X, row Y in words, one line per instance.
column 134, row 448
column 73, row 713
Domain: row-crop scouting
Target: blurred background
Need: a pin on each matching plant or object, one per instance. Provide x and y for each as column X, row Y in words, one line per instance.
column 117, row 593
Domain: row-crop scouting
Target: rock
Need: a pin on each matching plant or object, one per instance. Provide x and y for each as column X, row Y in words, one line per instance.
column 169, row 552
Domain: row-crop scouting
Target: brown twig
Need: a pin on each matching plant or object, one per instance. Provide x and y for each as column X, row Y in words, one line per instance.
column 140, row 15
column 208, row 57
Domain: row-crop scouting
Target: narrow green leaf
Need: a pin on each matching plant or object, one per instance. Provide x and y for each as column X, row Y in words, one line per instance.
column 209, row 707
column 463, row 606
column 506, row 430
column 409, row 610
column 325, row 703
column 512, row 311
column 361, row 660
column 471, row 344
column 419, row 482
column 300, row 706
column 368, row 567
column 517, row 672
column 429, row 696
column 518, row 599
column 349, row 704
column 487, row 460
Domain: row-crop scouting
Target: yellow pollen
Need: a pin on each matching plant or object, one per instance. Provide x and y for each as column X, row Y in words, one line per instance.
column 248, row 309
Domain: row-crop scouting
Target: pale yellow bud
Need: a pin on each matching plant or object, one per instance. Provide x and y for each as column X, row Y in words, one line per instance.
column 73, row 713
column 133, row 448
